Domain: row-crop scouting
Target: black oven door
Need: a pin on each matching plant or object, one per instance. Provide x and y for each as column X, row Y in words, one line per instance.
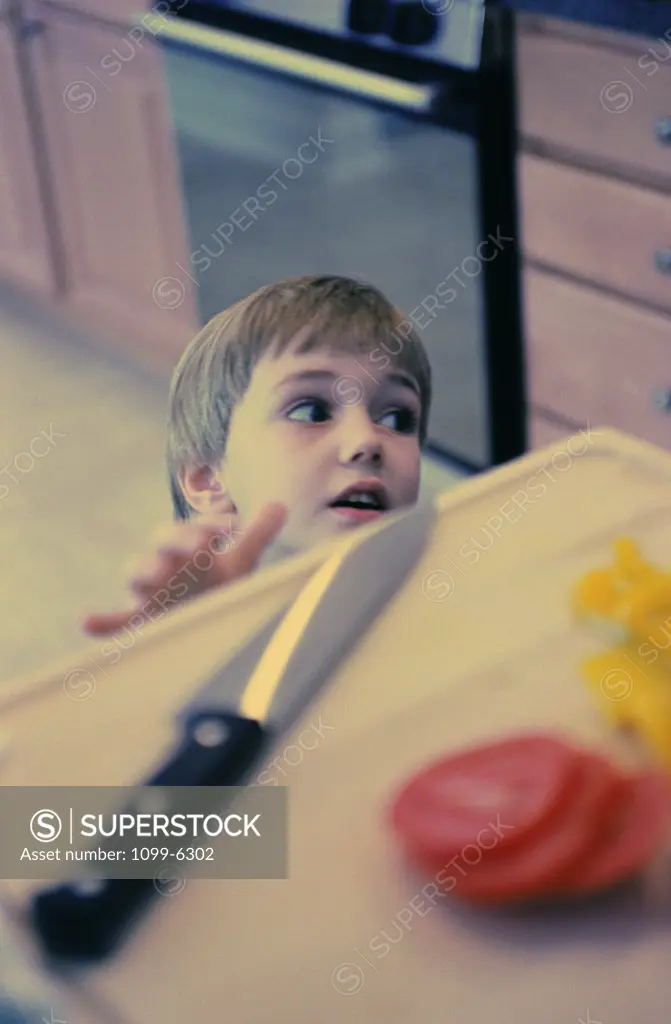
column 375, row 164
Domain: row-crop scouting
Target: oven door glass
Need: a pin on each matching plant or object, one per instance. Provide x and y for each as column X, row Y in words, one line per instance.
column 281, row 178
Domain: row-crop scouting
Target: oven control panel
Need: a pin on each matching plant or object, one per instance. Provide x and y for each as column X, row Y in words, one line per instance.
column 449, row 31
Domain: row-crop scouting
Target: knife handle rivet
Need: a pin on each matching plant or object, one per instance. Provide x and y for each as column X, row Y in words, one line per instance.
column 210, row 733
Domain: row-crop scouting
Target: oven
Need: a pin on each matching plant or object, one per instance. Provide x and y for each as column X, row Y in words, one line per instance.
column 370, row 138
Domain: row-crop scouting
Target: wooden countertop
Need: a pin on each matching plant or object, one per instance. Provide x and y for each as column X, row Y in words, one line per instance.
column 479, row 639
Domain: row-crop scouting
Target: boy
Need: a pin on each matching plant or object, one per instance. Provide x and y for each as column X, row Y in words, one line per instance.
column 294, row 415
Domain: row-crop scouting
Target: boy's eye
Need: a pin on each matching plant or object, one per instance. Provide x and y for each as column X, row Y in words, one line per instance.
column 317, row 410
column 310, row 410
column 405, row 421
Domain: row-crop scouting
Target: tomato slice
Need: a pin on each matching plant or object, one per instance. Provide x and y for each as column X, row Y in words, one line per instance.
column 633, row 831
column 531, row 868
column 510, row 787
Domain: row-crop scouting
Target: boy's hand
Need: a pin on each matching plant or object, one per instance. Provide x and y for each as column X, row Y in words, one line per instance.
column 223, row 553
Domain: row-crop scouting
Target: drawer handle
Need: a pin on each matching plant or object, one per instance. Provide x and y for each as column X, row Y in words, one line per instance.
column 663, row 260
column 663, row 131
column 661, row 399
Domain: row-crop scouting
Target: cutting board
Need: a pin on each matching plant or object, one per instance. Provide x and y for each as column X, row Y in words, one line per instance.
column 478, row 641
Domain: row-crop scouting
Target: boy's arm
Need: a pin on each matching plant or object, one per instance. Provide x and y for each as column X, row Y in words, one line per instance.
column 192, row 558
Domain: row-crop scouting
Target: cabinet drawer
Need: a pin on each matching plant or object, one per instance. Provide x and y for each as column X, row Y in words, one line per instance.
column 606, row 104
column 542, row 431
column 597, row 228
column 593, row 359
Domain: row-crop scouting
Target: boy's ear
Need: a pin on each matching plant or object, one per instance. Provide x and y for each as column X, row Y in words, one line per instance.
column 205, row 491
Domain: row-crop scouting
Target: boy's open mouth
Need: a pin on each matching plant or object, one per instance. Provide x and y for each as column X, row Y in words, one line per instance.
column 364, row 496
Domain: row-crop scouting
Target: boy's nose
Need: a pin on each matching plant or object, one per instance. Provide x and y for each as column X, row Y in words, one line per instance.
column 368, row 455
column 360, row 442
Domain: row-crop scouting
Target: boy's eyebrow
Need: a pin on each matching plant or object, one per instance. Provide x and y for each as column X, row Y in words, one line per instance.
column 402, row 379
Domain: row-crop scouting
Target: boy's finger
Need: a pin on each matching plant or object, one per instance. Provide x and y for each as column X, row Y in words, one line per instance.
column 183, row 563
column 212, row 536
column 140, row 565
column 144, row 589
column 106, row 623
column 261, row 532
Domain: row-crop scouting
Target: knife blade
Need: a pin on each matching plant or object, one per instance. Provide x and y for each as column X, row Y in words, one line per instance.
column 255, row 697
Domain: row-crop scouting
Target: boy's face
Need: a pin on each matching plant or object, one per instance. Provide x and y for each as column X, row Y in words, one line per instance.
column 309, row 429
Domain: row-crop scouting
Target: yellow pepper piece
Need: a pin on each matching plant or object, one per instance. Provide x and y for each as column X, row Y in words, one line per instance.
column 596, row 592
column 632, row 682
column 649, row 607
column 630, row 563
column 633, row 692
column 632, row 594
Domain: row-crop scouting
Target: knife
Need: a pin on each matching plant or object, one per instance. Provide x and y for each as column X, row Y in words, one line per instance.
column 254, row 698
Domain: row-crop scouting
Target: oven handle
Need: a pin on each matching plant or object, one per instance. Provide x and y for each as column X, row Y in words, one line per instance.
column 365, row 85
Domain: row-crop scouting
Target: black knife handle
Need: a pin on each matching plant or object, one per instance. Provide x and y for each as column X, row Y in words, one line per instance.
column 219, row 749
column 85, row 922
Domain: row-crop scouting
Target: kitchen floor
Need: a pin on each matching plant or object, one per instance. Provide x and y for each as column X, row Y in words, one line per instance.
column 85, row 501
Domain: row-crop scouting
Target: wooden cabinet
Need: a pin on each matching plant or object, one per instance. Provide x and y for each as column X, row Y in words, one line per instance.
column 90, row 197
column 114, row 175
column 543, row 431
column 601, row 102
column 594, row 180
column 595, row 359
column 600, row 229
column 26, row 249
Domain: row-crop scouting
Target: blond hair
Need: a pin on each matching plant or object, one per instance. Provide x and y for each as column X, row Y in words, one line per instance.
column 333, row 312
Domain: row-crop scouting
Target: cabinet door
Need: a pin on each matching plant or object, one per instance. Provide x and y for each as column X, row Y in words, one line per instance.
column 114, row 172
column 25, row 251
